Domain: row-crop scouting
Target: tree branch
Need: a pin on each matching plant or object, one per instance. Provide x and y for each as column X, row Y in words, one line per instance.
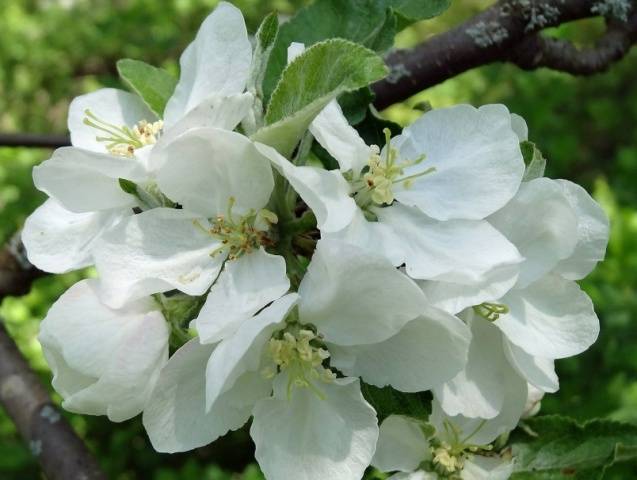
column 507, row 31
column 33, row 140
column 62, row 455
column 16, row 272
column 539, row 51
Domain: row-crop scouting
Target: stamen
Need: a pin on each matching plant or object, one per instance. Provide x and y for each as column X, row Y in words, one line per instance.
column 301, row 356
column 122, row 140
column 240, row 235
column 376, row 186
column 491, row 311
column 449, row 456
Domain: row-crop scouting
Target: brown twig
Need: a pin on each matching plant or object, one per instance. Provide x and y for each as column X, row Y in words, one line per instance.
column 16, row 272
column 62, row 455
column 507, row 31
column 539, row 51
column 33, row 140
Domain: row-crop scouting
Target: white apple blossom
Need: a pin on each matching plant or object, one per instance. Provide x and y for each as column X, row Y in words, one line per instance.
column 116, row 136
column 545, row 315
column 223, row 221
column 422, row 200
column 353, row 308
column 403, row 447
column 104, row 361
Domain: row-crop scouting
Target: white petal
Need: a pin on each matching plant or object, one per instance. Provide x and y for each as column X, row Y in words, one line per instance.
column 85, row 181
column 112, row 106
column 538, row 371
column 375, row 237
column 429, row 350
column 175, row 417
column 202, row 168
column 334, row 133
column 104, row 363
column 459, row 251
column 156, row 251
column 478, row 467
column 533, row 401
column 518, row 124
column 224, row 113
column 58, row 241
column 592, row 233
column 307, row 438
column 244, row 287
column 326, row 192
column 455, row 297
column 480, row 389
column 216, row 63
column 477, row 157
column 242, row 352
column 540, row 222
column 551, row 318
column 354, row 297
column 402, row 445
column 481, row 431
column 419, row 475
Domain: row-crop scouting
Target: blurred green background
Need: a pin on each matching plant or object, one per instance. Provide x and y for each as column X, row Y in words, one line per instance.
column 53, row 50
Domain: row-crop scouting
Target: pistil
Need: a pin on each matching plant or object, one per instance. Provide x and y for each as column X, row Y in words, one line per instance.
column 240, row 235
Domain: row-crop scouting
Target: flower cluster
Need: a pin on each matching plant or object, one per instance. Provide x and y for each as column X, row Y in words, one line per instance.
column 234, row 283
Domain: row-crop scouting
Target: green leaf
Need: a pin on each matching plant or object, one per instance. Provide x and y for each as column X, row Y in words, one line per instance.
column 154, row 85
column 178, row 310
column 319, row 75
column 535, row 162
column 387, row 401
column 268, row 30
column 560, row 448
column 372, row 23
column 372, row 127
column 265, row 37
column 355, row 104
column 414, row 10
column 368, row 22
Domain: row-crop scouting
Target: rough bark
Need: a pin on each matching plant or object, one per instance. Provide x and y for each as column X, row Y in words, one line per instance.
column 60, row 452
column 506, row 32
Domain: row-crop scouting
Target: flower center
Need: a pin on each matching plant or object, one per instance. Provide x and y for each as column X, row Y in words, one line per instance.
column 301, row 355
column 491, row 311
column 449, row 457
column 446, row 461
column 122, row 140
column 240, row 234
column 383, row 172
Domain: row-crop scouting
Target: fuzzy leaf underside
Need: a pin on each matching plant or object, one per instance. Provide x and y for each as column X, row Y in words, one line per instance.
column 316, row 77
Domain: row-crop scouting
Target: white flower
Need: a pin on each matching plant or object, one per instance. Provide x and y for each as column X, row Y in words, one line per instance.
column 420, row 201
column 489, row 382
column 356, row 310
column 115, row 135
column 104, row 361
column 227, row 186
column 403, row 446
column 544, row 315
